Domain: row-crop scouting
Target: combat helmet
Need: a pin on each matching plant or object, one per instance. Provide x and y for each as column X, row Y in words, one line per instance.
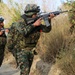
column 1, row 19
column 31, row 9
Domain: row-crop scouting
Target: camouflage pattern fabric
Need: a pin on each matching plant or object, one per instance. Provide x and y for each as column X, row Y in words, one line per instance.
column 30, row 7
column 2, row 41
column 23, row 38
column 24, row 59
column 2, row 47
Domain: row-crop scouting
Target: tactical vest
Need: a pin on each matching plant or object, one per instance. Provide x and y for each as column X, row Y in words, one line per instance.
column 32, row 38
column 26, row 41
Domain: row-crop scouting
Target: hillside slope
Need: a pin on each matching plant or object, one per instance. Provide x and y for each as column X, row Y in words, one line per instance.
column 9, row 14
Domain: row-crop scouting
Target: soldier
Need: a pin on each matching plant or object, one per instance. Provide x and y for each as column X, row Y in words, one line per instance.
column 2, row 40
column 23, row 37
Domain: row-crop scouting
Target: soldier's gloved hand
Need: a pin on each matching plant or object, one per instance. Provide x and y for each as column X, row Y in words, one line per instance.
column 37, row 22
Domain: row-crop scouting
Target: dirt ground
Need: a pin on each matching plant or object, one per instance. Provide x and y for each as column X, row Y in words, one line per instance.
column 9, row 66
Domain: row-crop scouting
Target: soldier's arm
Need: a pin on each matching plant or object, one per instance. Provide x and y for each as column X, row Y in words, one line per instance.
column 28, row 29
column 10, row 44
column 23, row 28
column 46, row 29
column 1, row 32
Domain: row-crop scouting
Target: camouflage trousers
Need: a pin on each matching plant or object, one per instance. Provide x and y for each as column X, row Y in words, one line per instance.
column 2, row 49
column 24, row 59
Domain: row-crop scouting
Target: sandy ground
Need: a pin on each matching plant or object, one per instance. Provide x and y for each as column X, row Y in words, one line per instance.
column 7, row 69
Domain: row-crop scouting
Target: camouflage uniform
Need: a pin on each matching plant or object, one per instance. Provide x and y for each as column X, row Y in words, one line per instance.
column 23, row 38
column 2, row 43
column 2, row 47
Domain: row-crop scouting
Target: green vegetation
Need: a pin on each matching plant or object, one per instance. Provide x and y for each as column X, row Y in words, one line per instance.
column 72, row 16
column 0, row 0
column 10, row 14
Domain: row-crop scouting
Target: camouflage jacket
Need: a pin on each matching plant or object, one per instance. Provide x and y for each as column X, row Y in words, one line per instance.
column 2, row 39
column 22, row 36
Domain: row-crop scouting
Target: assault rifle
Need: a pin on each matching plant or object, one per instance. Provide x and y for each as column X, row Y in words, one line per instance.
column 44, row 17
column 3, row 29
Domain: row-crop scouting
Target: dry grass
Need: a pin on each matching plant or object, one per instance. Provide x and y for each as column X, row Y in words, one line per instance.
column 59, row 45
column 54, row 41
column 9, row 14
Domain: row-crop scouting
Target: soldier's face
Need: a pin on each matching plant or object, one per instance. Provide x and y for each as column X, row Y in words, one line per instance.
column 2, row 24
column 34, row 15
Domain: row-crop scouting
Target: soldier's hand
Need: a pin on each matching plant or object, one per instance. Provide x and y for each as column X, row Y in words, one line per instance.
column 51, row 16
column 6, row 30
column 1, row 32
column 37, row 22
